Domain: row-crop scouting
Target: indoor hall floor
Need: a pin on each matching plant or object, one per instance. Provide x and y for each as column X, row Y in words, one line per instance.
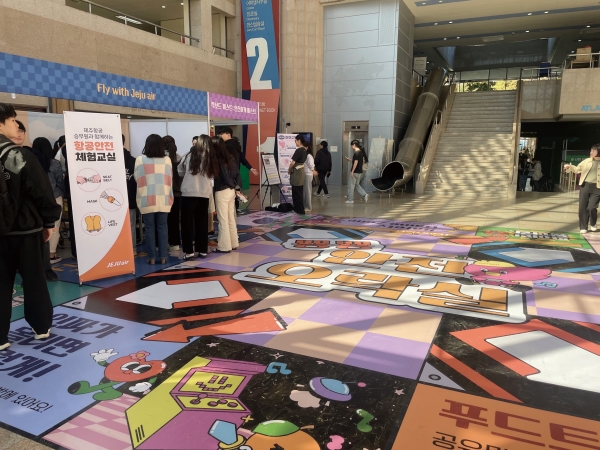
column 405, row 323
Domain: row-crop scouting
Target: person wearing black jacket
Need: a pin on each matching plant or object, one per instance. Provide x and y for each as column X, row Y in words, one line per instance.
column 22, row 248
column 323, row 167
column 131, row 191
column 61, row 145
column 235, row 149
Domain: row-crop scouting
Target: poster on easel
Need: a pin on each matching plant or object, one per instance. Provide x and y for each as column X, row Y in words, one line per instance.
column 286, row 146
column 271, row 170
column 98, row 195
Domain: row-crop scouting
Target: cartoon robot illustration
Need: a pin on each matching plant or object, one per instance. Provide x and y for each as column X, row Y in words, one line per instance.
column 502, row 274
column 126, row 369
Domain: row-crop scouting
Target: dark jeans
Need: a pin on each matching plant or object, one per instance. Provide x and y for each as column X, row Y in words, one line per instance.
column 194, row 224
column 522, row 181
column 322, row 183
column 24, row 253
column 589, row 197
column 72, row 229
column 173, row 222
column 155, row 225
column 298, row 199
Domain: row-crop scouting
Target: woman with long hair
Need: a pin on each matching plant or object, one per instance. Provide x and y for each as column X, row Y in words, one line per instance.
column 196, row 170
column 154, row 176
column 589, row 194
column 227, row 181
column 309, row 168
column 359, row 158
column 173, row 219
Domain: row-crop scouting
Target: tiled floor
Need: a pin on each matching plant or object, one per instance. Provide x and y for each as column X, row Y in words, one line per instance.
column 406, row 323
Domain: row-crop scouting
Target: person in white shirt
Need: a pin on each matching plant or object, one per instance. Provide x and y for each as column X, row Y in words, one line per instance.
column 589, row 194
column 309, row 168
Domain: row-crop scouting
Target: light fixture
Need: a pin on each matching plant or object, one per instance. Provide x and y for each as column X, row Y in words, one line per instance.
column 423, row 3
column 458, row 37
column 435, row 23
column 128, row 20
column 450, row 22
column 445, row 39
column 545, row 12
column 578, row 40
column 588, row 26
column 528, row 14
column 163, row 6
column 572, row 51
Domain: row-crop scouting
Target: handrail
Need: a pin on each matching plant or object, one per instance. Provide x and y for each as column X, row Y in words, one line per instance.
column 439, row 127
column 216, row 47
column 585, row 55
column 514, row 175
column 127, row 16
column 568, row 180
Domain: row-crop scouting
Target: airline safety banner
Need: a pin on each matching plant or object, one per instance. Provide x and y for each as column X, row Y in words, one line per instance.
column 99, row 195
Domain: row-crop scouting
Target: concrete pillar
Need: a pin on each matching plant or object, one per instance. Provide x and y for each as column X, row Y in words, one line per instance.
column 186, row 20
column 201, row 24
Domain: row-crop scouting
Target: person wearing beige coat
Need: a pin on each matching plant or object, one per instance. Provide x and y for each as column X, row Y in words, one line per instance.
column 589, row 194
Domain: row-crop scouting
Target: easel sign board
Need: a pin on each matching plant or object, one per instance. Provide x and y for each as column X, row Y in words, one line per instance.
column 98, row 195
column 271, row 170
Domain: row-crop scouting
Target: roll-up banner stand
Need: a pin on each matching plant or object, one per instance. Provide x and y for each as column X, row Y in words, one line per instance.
column 98, row 195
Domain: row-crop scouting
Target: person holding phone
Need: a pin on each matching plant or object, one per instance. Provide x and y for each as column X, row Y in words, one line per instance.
column 589, row 194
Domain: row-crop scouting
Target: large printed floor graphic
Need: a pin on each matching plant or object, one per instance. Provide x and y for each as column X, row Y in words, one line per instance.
column 325, row 333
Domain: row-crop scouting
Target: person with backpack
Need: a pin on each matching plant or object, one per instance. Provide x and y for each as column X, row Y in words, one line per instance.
column 359, row 159
column 28, row 213
column 323, row 167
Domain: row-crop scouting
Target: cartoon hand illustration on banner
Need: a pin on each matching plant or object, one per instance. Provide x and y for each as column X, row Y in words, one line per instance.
column 88, row 180
column 103, row 355
column 141, row 387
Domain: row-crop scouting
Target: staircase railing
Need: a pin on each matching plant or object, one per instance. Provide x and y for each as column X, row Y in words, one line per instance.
column 514, row 174
column 439, row 126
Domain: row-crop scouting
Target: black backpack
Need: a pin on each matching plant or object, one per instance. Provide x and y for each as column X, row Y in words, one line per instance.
column 8, row 205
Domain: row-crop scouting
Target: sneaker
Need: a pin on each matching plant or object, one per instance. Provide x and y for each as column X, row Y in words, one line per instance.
column 55, row 259
column 349, row 201
column 366, row 198
column 583, row 231
column 593, row 228
column 4, row 346
column 46, row 335
column 189, row 257
column 51, row 275
column 174, row 247
column 306, row 209
column 202, row 255
column 326, row 196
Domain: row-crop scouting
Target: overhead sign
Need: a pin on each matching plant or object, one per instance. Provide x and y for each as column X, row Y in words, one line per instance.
column 260, row 71
column 226, row 107
column 271, row 170
column 99, row 195
column 29, row 76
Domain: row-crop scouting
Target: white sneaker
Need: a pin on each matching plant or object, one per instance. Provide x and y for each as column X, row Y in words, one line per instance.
column 4, row 346
column 349, row 201
column 593, row 228
column 55, row 260
column 41, row 336
column 583, row 231
column 366, row 198
column 327, row 196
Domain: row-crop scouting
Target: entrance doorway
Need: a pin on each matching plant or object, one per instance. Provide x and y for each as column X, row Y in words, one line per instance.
column 353, row 130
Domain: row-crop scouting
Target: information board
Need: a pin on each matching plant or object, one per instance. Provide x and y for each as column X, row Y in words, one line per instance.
column 271, row 170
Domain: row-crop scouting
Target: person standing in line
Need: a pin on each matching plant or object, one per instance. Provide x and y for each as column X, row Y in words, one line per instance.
column 21, row 248
column 309, row 168
column 61, row 145
column 536, row 173
column 589, row 194
column 356, row 171
column 42, row 149
column 173, row 219
column 154, row 176
column 131, row 192
column 227, row 182
column 196, row 189
column 296, row 171
column 323, row 168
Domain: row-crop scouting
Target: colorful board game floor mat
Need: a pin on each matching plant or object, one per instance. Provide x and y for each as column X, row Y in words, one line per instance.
column 326, row 333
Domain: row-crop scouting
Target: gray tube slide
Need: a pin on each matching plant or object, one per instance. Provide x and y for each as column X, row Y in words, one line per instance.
column 400, row 171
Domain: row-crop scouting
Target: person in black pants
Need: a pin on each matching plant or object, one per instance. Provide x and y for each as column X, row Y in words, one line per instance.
column 21, row 249
column 173, row 218
column 589, row 195
column 323, row 167
column 296, row 170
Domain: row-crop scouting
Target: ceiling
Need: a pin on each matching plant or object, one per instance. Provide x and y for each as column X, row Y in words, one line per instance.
column 511, row 25
column 149, row 10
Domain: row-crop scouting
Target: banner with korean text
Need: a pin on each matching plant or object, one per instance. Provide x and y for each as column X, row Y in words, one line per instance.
column 260, row 73
column 98, row 195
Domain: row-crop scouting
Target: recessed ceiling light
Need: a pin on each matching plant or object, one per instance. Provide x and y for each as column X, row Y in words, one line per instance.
column 578, row 40
column 458, row 37
column 182, row 4
column 435, row 23
column 445, row 39
column 527, row 31
column 451, row 22
column 128, row 20
column 545, row 12
column 528, row 14
column 572, row 51
column 163, row 6
column 423, row 3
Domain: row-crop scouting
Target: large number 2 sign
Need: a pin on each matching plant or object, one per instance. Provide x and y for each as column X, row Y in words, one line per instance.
column 258, row 47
